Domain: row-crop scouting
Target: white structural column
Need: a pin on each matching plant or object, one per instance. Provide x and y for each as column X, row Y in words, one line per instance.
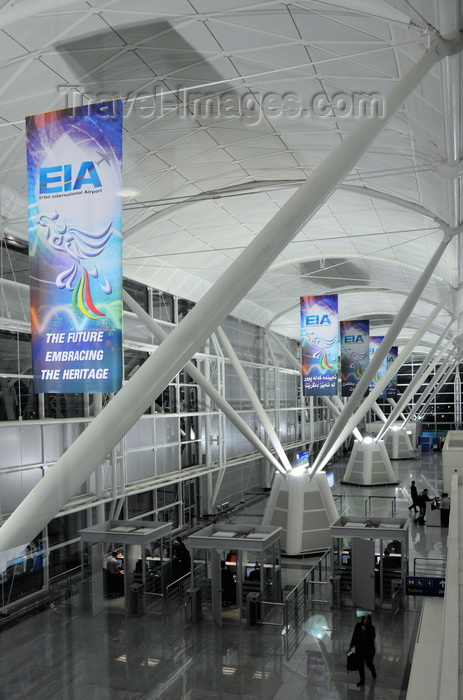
column 443, row 371
column 436, row 387
column 254, row 399
column 337, row 411
column 378, row 412
column 394, row 404
column 92, row 447
column 351, row 418
column 207, row 387
column 424, row 371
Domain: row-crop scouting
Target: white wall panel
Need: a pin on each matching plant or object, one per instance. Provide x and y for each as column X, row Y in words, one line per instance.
column 141, row 435
column 31, row 444
column 14, row 486
column 10, row 452
column 140, row 465
column 53, row 437
column 167, row 459
column 167, row 430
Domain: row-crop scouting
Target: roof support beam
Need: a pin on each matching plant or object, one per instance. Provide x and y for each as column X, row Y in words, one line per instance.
column 255, row 402
column 433, row 387
column 206, row 386
column 424, row 371
column 106, row 430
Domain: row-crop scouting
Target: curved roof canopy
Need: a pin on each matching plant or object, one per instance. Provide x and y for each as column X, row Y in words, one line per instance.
column 228, row 107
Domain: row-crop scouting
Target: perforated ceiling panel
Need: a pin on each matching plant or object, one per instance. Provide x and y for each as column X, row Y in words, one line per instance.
column 228, row 108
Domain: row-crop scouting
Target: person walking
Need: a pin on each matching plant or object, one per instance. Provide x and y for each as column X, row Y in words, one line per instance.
column 414, row 496
column 363, row 639
column 422, row 499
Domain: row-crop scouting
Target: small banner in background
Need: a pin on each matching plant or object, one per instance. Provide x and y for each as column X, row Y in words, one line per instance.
column 355, row 345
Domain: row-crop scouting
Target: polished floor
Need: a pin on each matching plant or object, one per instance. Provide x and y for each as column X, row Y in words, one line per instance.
column 62, row 653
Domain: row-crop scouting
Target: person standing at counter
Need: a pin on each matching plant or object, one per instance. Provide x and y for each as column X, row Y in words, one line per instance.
column 422, row 499
column 444, row 510
column 115, row 576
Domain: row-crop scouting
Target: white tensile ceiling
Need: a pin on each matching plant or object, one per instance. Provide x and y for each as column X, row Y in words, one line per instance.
column 198, row 185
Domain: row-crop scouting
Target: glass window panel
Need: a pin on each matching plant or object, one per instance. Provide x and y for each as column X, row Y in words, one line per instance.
column 66, row 527
column 163, row 306
column 14, row 261
column 138, row 291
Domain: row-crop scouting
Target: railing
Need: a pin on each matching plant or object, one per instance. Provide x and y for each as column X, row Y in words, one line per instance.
column 61, row 585
column 367, row 505
column 273, row 614
column 426, row 565
column 314, row 589
column 176, row 592
column 154, row 603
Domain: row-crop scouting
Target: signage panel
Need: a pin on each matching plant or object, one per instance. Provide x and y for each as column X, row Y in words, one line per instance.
column 319, row 340
column 375, row 341
column 355, row 342
column 425, row 585
column 74, row 166
column 391, row 389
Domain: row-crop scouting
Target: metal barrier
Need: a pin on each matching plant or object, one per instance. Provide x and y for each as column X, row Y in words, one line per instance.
column 62, row 585
column 270, row 611
column 367, row 506
column 154, row 603
column 176, row 592
column 314, row 589
column 397, row 595
column 368, row 503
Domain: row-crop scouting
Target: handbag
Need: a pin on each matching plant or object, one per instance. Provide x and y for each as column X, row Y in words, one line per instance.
column 352, row 662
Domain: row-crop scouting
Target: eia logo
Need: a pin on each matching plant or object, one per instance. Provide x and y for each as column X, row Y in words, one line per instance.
column 317, row 320
column 353, row 338
column 60, row 178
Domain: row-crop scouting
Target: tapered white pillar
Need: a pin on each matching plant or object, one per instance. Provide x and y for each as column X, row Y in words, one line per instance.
column 398, row 443
column 304, row 509
column 92, row 447
column 369, row 465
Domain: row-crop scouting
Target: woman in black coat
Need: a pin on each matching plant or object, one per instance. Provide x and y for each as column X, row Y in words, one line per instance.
column 363, row 639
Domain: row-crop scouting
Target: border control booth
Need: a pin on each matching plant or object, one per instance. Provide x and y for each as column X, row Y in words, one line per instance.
column 144, row 558
column 370, row 561
column 236, row 569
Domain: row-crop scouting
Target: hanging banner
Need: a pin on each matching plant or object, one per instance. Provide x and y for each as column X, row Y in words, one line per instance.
column 375, row 341
column 355, row 345
column 319, row 339
column 74, row 168
column 391, row 389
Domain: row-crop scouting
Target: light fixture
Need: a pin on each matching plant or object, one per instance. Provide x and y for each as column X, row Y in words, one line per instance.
column 298, row 471
column 128, row 192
